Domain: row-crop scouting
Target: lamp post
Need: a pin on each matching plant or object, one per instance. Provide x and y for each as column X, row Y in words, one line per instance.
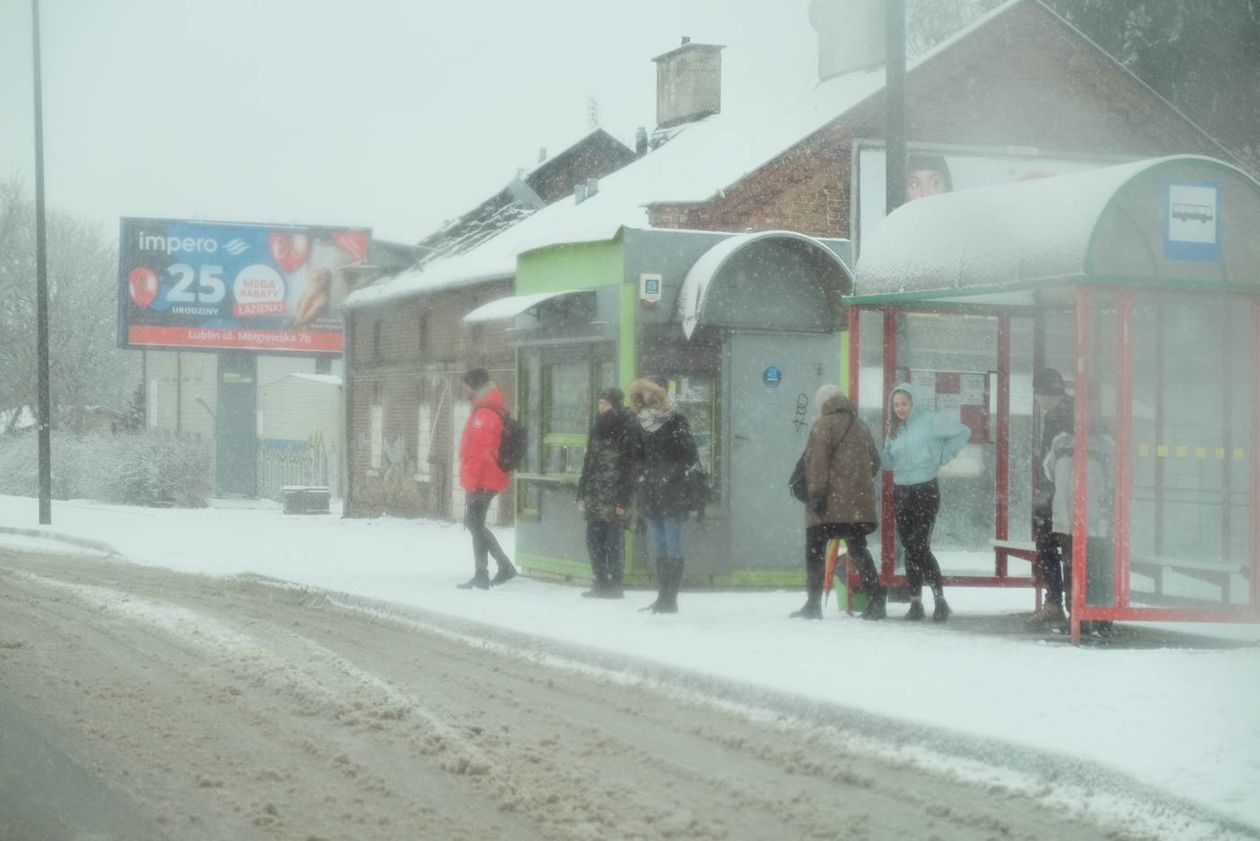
column 41, row 294
column 895, row 104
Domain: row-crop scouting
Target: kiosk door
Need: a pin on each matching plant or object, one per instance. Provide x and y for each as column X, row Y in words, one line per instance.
column 773, row 378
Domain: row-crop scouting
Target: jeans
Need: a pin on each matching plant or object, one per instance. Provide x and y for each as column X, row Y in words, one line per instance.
column 665, row 536
column 606, row 543
column 916, row 507
column 484, row 541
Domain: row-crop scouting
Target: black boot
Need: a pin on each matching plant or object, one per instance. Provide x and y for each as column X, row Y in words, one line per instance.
column 876, row 605
column 942, row 611
column 506, row 573
column 667, row 602
column 661, row 572
column 480, row 581
column 915, row 614
column 597, row 589
column 811, row 610
column 613, row 590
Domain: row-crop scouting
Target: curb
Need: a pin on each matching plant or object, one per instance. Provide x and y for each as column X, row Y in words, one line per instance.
column 81, row 542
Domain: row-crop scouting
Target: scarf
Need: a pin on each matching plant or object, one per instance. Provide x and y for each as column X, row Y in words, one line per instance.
column 652, row 419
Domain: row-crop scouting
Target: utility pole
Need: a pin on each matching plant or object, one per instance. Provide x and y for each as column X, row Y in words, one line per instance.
column 41, row 294
column 895, row 104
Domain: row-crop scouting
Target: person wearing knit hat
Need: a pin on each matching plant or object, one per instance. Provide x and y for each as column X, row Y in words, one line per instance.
column 481, row 477
column 606, row 488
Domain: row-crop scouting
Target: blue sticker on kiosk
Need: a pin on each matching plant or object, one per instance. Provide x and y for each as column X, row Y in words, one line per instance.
column 772, row 377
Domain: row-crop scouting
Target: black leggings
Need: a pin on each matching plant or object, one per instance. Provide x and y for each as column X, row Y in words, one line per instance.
column 854, row 537
column 916, row 507
column 484, row 541
column 605, row 541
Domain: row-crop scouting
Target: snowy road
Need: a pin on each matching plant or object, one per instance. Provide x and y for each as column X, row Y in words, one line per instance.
column 207, row 708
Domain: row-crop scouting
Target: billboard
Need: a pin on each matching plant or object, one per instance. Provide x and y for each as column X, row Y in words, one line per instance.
column 943, row 169
column 187, row 285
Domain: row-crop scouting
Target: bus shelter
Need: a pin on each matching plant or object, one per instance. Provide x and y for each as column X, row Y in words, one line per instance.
column 1140, row 284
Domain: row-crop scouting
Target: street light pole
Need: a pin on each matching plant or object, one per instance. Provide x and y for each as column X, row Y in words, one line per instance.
column 41, row 294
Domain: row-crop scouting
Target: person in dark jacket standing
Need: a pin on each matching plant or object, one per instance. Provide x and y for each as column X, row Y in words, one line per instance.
column 605, row 489
column 1058, row 417
column 481, row 477
column 918, row 445
column 841, row 463
column 669, row 450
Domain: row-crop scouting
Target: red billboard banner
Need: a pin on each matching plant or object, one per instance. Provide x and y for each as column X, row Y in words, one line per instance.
column 234, row 286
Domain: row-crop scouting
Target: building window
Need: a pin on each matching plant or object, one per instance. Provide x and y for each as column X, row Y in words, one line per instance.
column 422, row 331
column 424, row 442
column 376, row 427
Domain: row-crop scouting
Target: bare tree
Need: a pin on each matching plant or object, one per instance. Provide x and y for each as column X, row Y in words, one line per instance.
column 85, row 366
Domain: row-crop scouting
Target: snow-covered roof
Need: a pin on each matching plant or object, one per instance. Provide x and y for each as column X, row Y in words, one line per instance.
column 502, row 309
column 1103, row 224
column 321, row 379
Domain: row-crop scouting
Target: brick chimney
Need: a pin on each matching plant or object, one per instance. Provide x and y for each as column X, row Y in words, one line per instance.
column 688, row 83
column 850, row 35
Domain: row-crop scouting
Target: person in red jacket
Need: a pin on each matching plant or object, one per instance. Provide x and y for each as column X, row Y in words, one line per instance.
column 481, row 477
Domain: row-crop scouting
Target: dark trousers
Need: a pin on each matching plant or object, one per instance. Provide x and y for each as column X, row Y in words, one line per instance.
column 916, row 507
column 854, row 536
column 484, row 541
column 606, row 543
column 1050, row 560
column 1100, row 571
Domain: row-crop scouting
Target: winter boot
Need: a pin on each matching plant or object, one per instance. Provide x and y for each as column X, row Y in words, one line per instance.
column 942, row 610
column 876, row 606
column 612, row 590
column 480, row 581
column 811, row 610
column 506, row 573
column 667, row 602
column 915, row 614
column 597, row 589
column 662, row 566
column 1051, row 613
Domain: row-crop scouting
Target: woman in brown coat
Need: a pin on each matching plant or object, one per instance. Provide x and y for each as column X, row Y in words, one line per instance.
column 841, row 463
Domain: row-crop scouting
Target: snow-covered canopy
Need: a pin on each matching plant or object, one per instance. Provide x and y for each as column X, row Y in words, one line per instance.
column 503, row 309
column 740, row 261
column 1184, row 221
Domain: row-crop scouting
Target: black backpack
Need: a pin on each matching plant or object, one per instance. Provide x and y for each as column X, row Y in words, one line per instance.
column 512, row 443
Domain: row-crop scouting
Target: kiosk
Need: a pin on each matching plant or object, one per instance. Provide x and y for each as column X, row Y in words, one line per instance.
column 743, row 328
column 1140, row 283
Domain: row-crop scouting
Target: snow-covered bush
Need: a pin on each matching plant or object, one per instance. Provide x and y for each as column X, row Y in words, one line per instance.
column 140, row 469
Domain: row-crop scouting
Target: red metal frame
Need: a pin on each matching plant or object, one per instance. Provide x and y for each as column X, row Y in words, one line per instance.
column 1084, row 299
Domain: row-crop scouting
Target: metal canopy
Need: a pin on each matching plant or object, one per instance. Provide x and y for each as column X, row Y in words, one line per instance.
column 776, row 280
column 1184, row 222
column 504, row 309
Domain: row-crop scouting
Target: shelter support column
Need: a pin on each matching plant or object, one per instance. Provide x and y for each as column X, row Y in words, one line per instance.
column 888, row 535
column 1124, row 454
column 1038, row 362
column 1080, row 464
column 1003, row 467
column 1254, row 458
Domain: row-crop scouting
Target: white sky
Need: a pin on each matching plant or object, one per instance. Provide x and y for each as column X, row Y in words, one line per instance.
column 385, row 113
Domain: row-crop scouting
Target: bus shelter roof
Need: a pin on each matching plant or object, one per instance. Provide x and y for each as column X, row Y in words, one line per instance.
column 1183, row 222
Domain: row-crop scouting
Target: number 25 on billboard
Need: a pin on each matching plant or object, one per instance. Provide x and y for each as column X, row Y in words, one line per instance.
column 210, row 286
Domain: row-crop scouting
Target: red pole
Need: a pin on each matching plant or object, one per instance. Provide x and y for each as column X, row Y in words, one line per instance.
column 1039, row 361
column 888, row 539
column 1124, row 453
column 1227, row 439
column 1003, row 471
column 855, row 371
column 1080, row 463
column 1159, row 430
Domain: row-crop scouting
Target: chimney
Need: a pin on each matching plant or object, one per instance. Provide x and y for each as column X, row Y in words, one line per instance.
column 850, row 35
column 688, row 83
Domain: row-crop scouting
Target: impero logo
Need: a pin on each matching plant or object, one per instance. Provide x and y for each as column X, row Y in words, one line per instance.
column 236, row 247
column 174, row 245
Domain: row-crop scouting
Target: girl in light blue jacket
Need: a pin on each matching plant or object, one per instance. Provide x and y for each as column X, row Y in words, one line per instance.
column 918, row 445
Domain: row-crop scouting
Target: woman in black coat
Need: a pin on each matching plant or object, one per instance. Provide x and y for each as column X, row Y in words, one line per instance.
column 669, row 450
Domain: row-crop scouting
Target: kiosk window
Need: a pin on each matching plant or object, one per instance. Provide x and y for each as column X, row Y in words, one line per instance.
column 566, row 415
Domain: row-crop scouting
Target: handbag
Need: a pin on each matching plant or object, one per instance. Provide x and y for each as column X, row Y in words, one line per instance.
column 797, row 484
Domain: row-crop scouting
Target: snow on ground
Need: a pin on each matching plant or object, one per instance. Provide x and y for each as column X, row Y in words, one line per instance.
column 1185, row 720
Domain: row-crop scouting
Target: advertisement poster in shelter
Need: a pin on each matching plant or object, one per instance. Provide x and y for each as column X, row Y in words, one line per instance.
column 931, row 170
column 191, row 285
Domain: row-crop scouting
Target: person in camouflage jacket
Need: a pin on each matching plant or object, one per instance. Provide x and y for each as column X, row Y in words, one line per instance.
column 605, row 489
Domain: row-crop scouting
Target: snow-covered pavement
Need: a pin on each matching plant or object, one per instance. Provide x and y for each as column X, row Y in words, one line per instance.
column 1184, row 720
